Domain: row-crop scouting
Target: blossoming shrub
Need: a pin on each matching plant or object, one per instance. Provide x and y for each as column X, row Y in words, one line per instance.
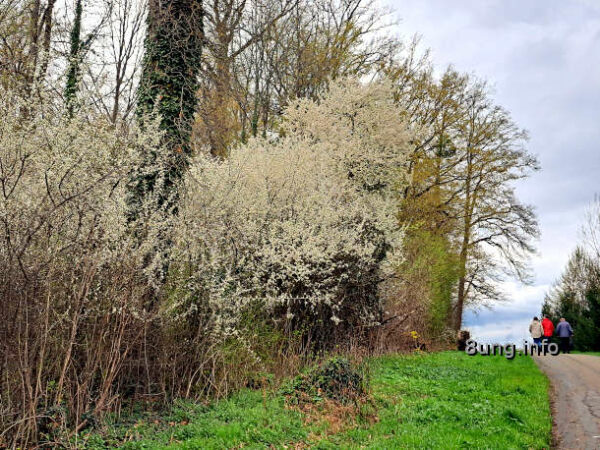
column 296, row 236
column 70, row 294
column 305, row 226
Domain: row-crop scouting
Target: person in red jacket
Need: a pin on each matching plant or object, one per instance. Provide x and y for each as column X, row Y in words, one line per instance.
column 548, row 327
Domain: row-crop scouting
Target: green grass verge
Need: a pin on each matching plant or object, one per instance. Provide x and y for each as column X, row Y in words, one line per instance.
column 441, row 400
column 586, row 353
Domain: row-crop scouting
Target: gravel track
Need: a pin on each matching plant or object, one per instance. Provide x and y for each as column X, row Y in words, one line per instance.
column 576, row 384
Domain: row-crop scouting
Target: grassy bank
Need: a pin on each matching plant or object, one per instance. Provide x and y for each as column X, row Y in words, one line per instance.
column 442, row 400
column 586, row 353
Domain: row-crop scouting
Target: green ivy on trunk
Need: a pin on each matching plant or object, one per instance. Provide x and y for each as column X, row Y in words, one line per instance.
column 168, row 87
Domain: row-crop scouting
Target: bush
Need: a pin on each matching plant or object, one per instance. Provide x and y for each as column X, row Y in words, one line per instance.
column 285, row 243
column 335, row 379
column 71, row 292
column 305, row 226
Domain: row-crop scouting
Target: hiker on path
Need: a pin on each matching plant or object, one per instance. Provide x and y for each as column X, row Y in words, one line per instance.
column 564, row 332
column 548, row 327
column 536, row 330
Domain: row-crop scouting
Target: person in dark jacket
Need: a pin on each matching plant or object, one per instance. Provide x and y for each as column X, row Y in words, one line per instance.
column 564, row 332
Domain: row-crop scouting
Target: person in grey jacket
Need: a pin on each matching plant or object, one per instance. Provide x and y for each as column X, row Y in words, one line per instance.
column 564, row 332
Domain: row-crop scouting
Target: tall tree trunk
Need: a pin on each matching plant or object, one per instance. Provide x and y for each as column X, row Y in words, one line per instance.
column 34, row 47
column 117, row 97
column 464, row 250
column 168, row 87
column 73, row 74
column 220, row 127
column 461, row 294
column 35, row 62
column 47, row 38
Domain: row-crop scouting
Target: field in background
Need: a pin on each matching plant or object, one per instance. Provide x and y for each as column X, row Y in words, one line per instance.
column 442, row 400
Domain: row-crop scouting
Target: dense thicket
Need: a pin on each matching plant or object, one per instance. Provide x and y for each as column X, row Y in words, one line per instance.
column 295, row 180
column 298, row 234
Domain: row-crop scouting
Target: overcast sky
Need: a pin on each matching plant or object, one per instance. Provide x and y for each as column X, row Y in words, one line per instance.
column 543, row 59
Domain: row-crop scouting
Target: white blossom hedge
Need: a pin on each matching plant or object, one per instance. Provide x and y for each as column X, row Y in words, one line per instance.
column 305, row 226
column 296, row 235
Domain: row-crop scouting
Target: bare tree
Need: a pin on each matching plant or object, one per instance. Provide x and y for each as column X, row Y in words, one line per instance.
column 25, row 42
column 261, row 54
column 113, row 78
column 467, row 156
column 232, row 28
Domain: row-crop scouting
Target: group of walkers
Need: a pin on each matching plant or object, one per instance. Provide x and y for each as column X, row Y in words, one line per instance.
column 541, row 332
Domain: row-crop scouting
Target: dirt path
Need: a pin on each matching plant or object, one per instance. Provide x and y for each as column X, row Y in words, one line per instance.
column 576, row 383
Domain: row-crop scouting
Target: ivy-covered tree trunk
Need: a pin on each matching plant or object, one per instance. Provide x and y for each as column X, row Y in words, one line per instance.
column 168, row 87
column 73, row 73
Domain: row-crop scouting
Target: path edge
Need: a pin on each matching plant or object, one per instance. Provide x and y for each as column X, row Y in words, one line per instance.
column 555, row 442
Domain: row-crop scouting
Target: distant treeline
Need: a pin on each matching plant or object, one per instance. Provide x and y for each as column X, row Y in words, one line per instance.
column 576, row 295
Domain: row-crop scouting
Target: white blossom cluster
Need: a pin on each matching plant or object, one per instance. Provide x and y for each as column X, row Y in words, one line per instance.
column 306, row 225
column 62, row 188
